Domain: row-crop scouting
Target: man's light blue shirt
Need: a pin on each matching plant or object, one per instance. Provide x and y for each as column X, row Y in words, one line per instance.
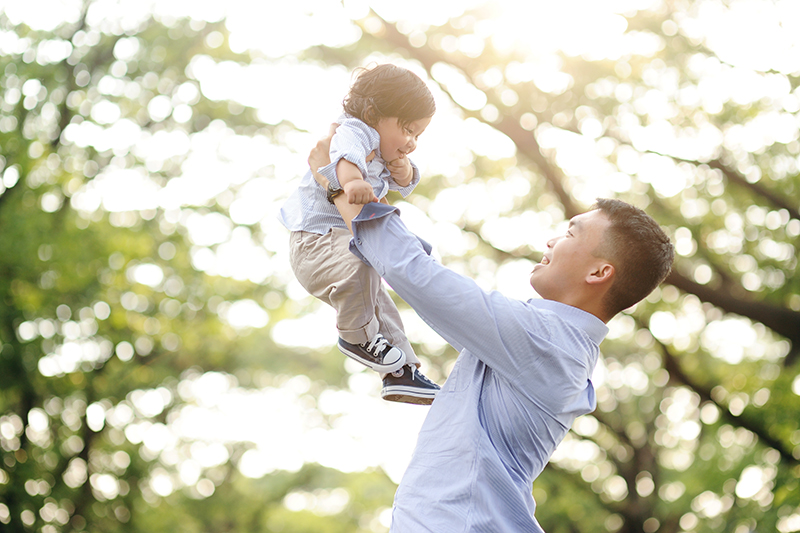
column 521, row 379
column 308, row 208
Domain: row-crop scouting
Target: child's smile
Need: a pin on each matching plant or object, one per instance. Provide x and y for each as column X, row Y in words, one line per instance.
column 399, row 140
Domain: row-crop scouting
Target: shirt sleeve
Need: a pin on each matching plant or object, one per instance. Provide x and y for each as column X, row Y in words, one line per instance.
column 488, row 324
column 354, row 140
column 405, row 191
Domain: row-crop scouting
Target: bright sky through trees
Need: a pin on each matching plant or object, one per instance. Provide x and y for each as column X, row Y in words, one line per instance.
column 309, row 96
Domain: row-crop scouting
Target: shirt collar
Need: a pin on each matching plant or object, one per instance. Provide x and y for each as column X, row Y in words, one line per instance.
column 593, row 326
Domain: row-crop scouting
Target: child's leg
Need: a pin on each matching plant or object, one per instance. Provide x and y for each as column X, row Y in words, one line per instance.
column 407, row 385
column 391, row 325
column 325, row 267
column 354, row 293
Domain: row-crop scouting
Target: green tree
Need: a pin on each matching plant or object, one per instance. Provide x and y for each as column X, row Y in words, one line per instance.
column 105, row 312
column 112, row 316
column 692, row 431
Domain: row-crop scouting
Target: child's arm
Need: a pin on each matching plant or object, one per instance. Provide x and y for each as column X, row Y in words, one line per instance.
column 355, row 188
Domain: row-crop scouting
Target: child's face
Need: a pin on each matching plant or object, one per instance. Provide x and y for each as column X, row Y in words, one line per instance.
column 398, row 141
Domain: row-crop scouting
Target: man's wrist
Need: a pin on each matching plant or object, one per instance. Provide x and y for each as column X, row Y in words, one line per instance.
column 332, row 192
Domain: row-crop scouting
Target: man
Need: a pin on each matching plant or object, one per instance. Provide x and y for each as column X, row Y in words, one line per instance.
column 524, row 369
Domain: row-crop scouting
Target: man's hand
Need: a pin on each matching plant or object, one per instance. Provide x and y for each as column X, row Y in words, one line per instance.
column 357, row 190
column 320, row 156
column 401, row 170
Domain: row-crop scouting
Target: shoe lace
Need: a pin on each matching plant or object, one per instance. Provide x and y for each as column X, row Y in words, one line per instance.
column 415, row 375
column 422, row 377
column 377, row 345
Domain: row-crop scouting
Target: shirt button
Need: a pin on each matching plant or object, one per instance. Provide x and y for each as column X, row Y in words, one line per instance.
column 359, row 241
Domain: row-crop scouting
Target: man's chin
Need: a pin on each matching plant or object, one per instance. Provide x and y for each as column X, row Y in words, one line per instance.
column 536, row 282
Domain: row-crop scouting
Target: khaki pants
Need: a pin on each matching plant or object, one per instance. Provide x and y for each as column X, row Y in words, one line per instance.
column 327, row 269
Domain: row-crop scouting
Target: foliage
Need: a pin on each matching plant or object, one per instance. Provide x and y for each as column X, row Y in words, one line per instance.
column 105, row 311
column 113, row 319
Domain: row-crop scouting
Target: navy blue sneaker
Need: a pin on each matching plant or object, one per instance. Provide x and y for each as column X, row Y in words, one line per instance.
column 377, row 354
column 409, row 385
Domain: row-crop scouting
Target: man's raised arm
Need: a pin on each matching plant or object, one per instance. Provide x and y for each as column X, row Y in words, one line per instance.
column 452, row 304
column 319, row 157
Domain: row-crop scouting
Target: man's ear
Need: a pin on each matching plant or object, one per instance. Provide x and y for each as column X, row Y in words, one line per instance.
column 603, row 273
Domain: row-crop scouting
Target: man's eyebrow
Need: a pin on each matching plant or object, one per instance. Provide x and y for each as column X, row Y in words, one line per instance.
column 574, row 223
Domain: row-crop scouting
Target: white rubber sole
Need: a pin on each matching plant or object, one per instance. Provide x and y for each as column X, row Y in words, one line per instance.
column 385, row 368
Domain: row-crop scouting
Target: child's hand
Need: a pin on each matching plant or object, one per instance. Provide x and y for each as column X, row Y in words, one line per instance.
column 401, row 171
column 359, row 192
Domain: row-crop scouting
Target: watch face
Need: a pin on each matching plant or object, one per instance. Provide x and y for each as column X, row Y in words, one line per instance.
column 333, row 192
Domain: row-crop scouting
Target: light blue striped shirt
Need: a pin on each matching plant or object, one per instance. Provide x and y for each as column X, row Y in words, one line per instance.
column 522, row 376
column 308, row 208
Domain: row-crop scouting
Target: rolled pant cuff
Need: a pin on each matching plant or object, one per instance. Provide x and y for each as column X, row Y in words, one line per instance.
column 361, row 335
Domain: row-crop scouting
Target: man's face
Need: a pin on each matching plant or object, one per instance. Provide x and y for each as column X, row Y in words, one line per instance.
column 568, row 261
column 397, row 140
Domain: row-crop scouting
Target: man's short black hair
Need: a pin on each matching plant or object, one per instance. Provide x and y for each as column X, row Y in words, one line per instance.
column 640, row 251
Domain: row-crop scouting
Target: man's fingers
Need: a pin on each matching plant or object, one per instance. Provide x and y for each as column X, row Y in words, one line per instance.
column 323, row 146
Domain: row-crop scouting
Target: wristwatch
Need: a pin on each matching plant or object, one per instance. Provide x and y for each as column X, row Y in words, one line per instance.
column 333, row 192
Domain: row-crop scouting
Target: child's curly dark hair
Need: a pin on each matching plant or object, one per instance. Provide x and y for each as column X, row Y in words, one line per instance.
column 388, row 91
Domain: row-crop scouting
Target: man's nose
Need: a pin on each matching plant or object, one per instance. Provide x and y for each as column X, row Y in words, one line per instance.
column 411, row 145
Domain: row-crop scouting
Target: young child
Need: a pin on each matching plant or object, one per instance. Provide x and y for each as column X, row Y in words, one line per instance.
column 385, row 112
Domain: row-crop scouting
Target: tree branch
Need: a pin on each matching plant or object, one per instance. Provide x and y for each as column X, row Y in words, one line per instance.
column 525, row 140
column 783, row 321
column 677, row 373
column 737, row 178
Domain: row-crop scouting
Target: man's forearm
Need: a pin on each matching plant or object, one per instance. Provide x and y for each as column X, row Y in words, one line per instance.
column 346, row 209
column 320, row 157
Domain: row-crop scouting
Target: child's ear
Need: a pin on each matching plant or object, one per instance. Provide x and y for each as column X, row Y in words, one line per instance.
column 370, row 116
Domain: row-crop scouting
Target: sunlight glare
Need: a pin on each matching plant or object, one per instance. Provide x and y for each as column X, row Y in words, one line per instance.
column 244, row 314
column 242, row 258
column 752, row 481
column 273, row 28
column 593, row 29
column 42, row 15
column 312, row 330
column 730, row 339
column 773, row 27
column 147, row 274
column 232, row 414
